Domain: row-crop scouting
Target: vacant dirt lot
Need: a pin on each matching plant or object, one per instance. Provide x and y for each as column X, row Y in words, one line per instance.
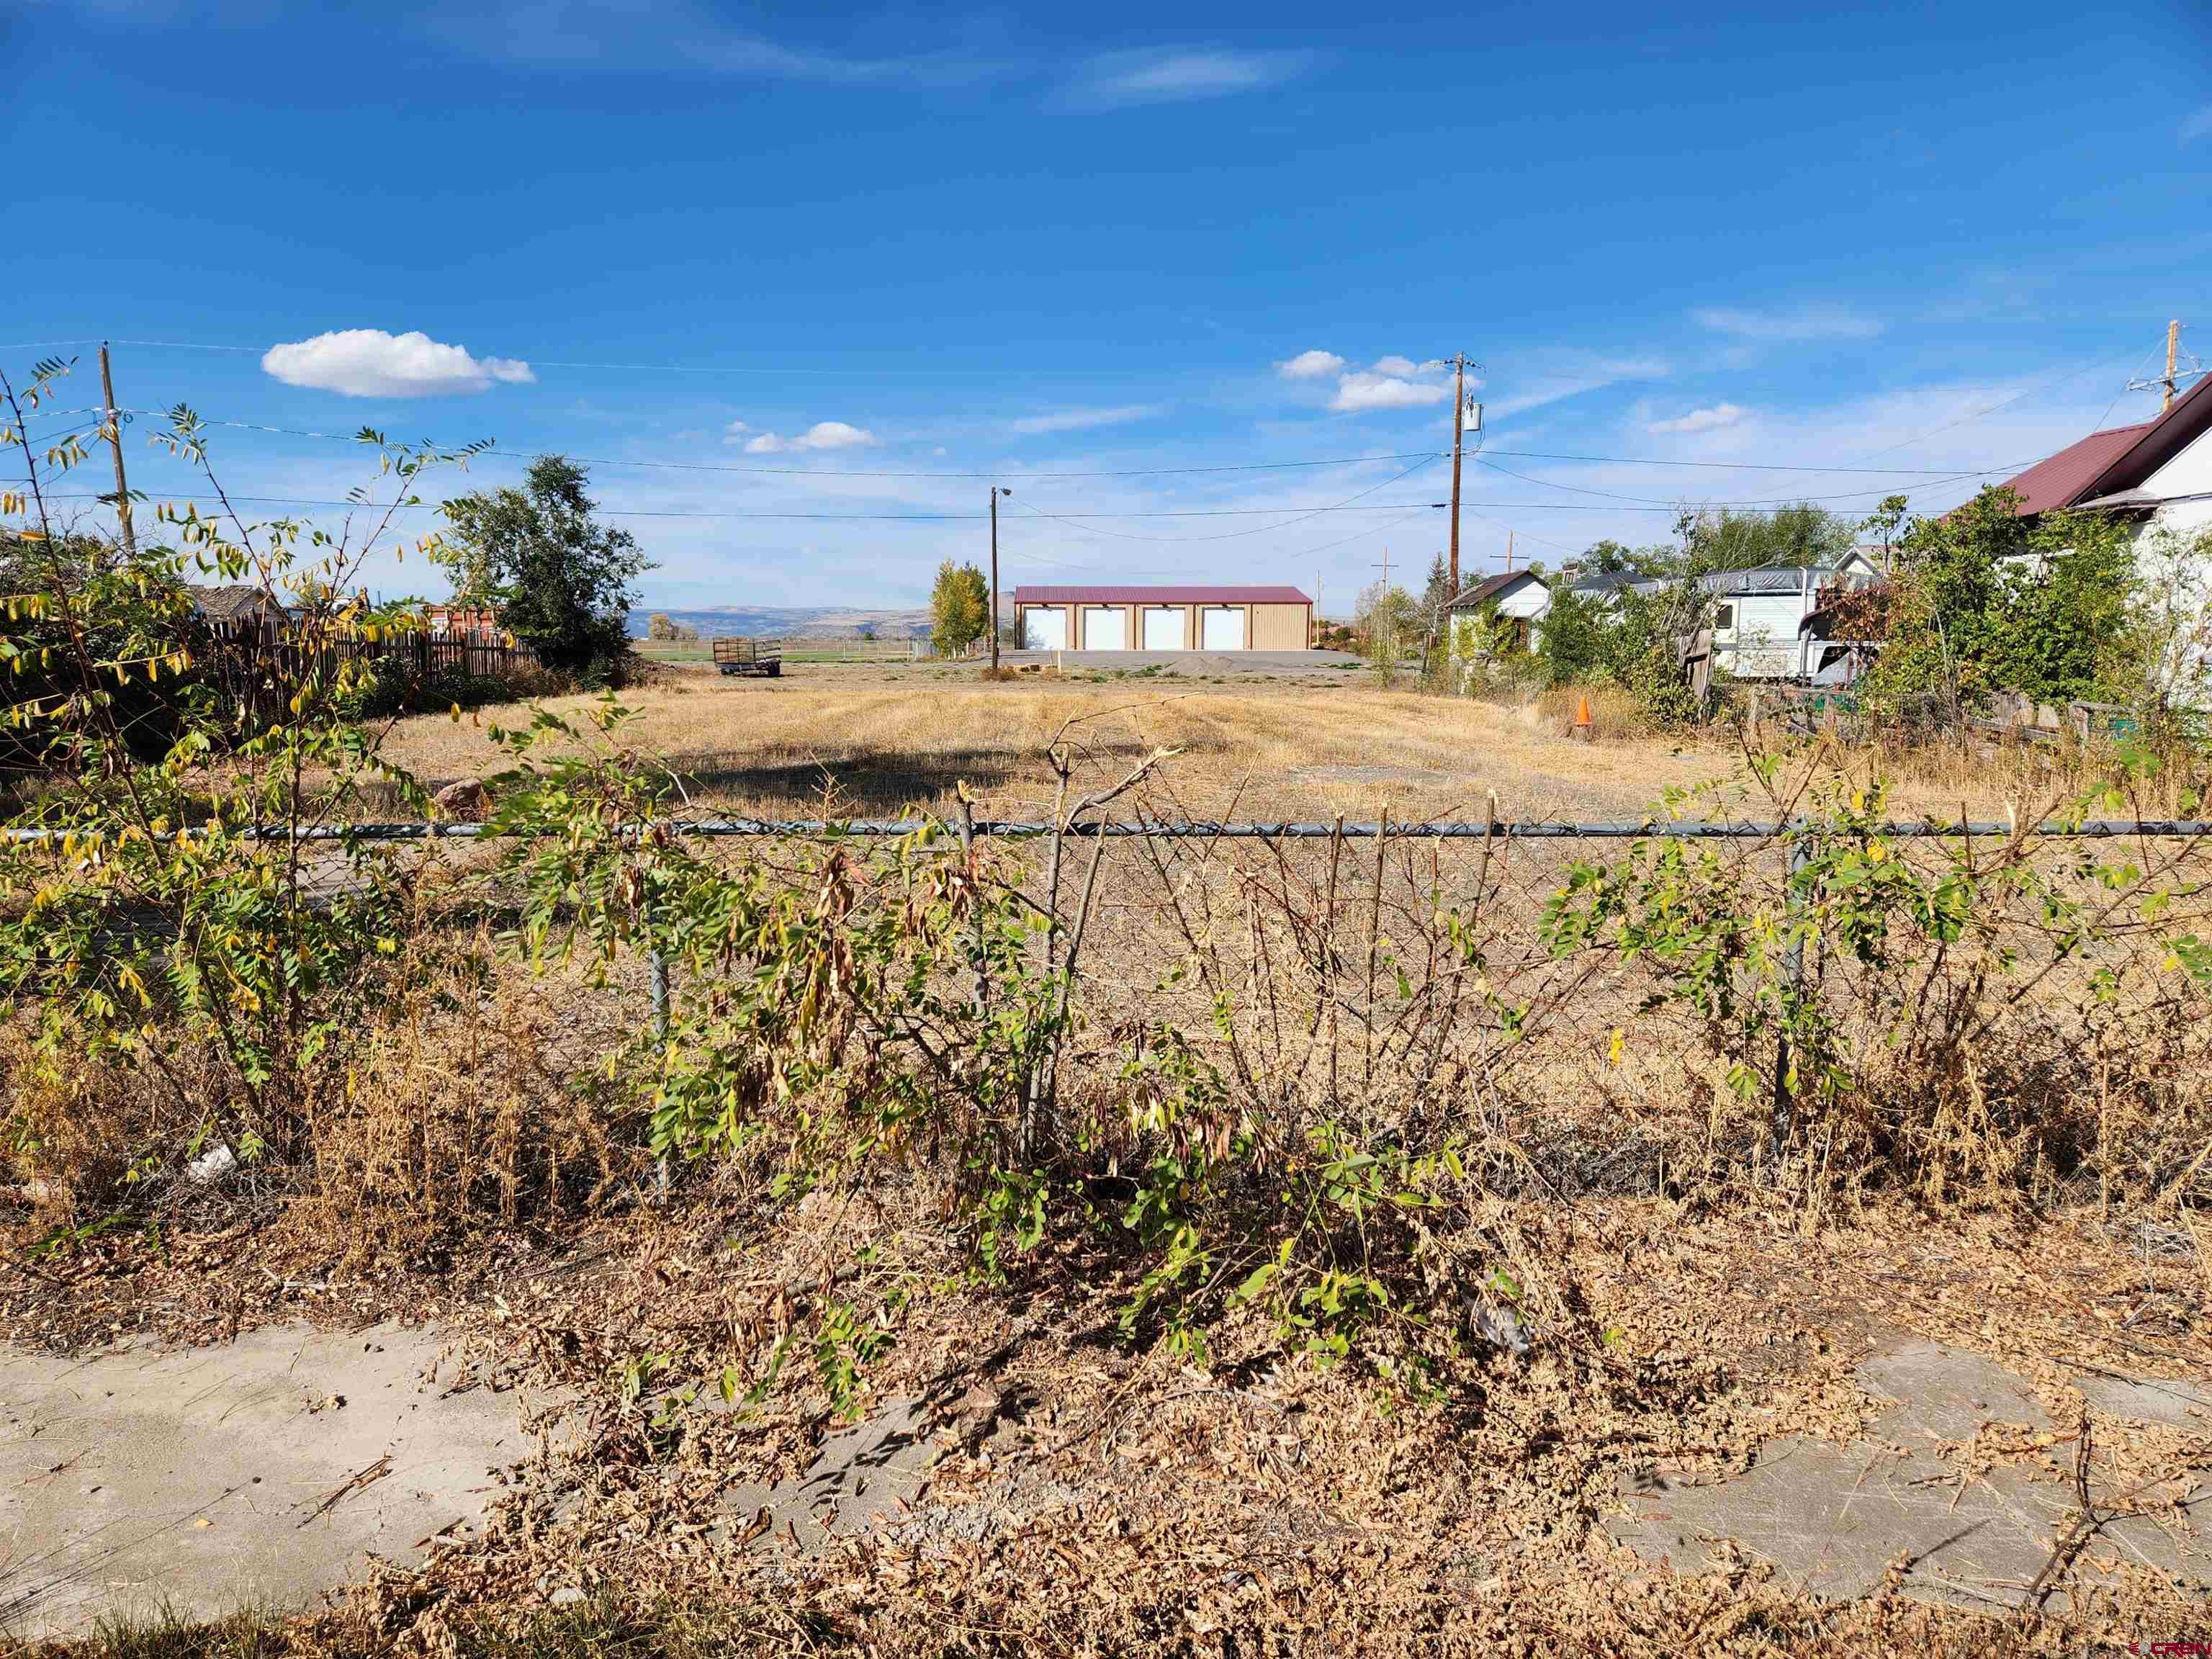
column 888, row 738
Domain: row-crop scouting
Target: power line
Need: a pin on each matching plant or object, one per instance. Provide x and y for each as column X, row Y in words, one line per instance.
column 1177, row 570
column 847, row 473
column 1105, row 472
column 1344, row 506
column 1298, row 513
column 1967, row 420
column 1729, row 467
column 1770, row 500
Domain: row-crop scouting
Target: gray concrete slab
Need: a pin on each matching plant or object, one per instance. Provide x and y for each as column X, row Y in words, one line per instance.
column 202, row 1480
column 1834, row 1518
column 864, row 1478
column 1331, row 665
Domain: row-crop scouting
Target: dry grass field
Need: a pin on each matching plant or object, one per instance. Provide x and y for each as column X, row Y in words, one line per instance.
column 887, row 739
column 877, row 739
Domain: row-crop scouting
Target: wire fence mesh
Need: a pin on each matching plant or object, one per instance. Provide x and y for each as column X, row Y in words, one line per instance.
column 1393, row 972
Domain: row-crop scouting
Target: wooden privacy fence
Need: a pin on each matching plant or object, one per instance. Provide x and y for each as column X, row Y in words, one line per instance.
column 258, row 667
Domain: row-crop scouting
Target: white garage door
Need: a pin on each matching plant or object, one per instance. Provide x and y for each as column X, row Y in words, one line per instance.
column 1223, row 628
column 1044, row 630
column 1163, row 627
column 1105, row 628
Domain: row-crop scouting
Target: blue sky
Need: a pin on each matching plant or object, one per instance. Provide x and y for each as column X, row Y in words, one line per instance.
column 912, row 240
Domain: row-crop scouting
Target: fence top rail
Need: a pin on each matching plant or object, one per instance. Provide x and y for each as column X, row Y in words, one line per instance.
column 1200, row 829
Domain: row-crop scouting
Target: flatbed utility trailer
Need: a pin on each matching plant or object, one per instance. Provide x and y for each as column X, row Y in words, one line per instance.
column 745, row 657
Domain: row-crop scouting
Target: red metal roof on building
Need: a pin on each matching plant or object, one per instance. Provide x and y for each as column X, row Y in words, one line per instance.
column 1120, row 595
column 2106, row 463
column 2058, row 480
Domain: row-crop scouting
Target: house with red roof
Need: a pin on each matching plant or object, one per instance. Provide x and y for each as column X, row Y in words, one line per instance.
column 2157, row 471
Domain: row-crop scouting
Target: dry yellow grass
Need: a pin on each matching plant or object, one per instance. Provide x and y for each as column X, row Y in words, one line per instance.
column 1282, row 749
column 887, row 738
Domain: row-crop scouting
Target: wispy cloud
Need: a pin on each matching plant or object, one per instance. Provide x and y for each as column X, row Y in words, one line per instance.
column 1806, row 323
column 1699, row 420
column 1571, row 377
column 823, row 434
column 2196, row 125
column 1081, row 420
column 1175, row 75
column 622, row 36
column 367, row 362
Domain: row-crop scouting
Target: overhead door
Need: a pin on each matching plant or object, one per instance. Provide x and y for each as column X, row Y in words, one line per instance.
column 1163, row 625
column 1105, row 628
column 1044, row 627
column 1222, row 627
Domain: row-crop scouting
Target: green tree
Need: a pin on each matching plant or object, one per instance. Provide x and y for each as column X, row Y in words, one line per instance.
column 1575, row 642
column 1984, row 600
column 2058, row 622
column 559, row 579
column 959, row 608
column 1725, row 539
column 1389, row 625
column 1887, row 525
column 1437, row 596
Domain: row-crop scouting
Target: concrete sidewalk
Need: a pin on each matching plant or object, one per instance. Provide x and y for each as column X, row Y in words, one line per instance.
column 259, row 1474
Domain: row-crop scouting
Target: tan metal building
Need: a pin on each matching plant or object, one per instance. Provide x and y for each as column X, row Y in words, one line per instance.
column 1124, row 618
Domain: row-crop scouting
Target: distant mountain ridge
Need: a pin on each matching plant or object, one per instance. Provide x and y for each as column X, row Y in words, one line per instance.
column 789, row 622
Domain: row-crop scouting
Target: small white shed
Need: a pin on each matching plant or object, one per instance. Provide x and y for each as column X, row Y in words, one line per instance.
column 1518, row 598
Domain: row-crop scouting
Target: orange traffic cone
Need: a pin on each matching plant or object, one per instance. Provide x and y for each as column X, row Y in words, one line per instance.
column 1582, row 727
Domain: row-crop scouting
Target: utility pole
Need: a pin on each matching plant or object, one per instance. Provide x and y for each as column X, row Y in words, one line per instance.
column 1459, row 434
column 1508, row 550
column 2173, row 350
column 995, row 493
column 1383, row 609
column 123, row 488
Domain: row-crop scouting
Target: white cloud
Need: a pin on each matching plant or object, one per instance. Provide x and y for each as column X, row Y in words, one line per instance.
column 1699, row 420
column 823, row 434
column 1365, row 390
column 1807, row 323
column 1402, row 367
column 735, row 432
column 1311, row 365
column 2196, row 126
column 833, row 435
column 1171, row 75
column 1081, row 420
column 367, row 362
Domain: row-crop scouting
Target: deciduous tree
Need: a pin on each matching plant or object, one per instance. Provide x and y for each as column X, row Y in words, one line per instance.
column 559, row 579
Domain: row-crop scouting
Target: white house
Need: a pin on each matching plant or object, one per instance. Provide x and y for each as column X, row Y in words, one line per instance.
column 2158, row 471
column 1518, row 598
column 2159, row 474
column 1757, row 613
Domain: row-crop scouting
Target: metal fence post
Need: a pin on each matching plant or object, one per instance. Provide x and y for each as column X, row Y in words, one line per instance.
column 656, row 969
column 1793, row 969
